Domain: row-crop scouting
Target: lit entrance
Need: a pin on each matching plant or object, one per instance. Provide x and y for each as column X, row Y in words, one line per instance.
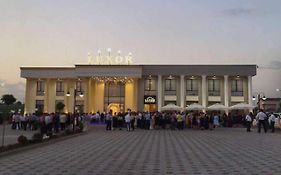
column 114, row 107
column 150, row 103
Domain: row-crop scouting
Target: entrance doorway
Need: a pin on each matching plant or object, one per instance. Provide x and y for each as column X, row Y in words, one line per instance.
column 114, row 96
column 150, row 107
column 114, row 107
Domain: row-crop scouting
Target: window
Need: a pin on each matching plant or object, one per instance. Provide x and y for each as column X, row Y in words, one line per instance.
column 170, row 87
column 150, row 84
column 214, row 87
column 59, row 88
column 40, row 88
column 79, row 87
column 237, row 87
column 39, row 105
column 192, row 87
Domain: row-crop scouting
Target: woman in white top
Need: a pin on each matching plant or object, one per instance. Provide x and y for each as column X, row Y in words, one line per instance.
column 248, row 120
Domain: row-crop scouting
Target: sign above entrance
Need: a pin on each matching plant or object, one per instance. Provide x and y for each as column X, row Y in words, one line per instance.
column 149, row 99
column 109, row 59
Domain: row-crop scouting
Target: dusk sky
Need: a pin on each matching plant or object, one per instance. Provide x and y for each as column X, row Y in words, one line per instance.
column 62, row 32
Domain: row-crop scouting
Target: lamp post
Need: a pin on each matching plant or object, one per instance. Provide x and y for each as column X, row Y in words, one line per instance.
column 260, row 96
column 74, row 104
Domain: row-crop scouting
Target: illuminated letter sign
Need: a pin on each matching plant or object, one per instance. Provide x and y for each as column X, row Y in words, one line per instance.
column 110, row 60
column 150, row 99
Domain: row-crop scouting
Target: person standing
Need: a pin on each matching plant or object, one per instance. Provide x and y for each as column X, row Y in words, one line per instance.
column 128, row 121
column 108, row 119
column 62, row 121
column 179, row 121
column 272, row 122
column 216, row 121
column 133, row 120
column 261, row 118
column 248, row 119
column 147, row 120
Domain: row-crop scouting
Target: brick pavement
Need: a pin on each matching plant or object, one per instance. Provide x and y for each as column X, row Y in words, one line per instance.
column 223, row 151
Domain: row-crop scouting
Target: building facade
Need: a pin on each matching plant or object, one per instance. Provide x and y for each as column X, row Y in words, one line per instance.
column 138, row 87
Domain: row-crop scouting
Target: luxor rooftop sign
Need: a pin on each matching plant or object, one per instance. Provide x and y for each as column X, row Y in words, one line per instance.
column 109, row 59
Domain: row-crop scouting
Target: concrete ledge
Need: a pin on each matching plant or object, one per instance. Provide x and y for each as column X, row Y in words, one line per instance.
column 41, row 144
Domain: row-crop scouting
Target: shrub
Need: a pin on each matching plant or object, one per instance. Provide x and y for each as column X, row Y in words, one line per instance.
column 22, row 140
column 68, row 131
column 37, row 137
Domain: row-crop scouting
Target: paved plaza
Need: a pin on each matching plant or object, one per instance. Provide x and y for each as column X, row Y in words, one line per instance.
column 11, row 136
column 222, row 151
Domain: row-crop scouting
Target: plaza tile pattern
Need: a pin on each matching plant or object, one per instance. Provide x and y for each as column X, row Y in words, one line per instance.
column 222, row 151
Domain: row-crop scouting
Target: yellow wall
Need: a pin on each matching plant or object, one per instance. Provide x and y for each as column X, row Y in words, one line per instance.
column 99, row 97
column 131, row 95
column 51, row 85
column 30, row 96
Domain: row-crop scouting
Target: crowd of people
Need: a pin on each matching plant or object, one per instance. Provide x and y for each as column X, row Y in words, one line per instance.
column 46, row 123
column 54, row 122
column 166, row 120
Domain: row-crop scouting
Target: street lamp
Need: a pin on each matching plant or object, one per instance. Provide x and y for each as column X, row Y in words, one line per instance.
column 260, row 96
column 74, row 105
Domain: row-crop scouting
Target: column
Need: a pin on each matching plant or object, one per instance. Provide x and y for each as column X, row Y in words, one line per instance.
column 129, row 96
column 46, row 95
column 159, row 92
column 66, row 98
column 30, row 96
column 182, row 96
column 250, row 90
column 226, row 94
column 51, row 88
column 204, row 91
column 86, row 95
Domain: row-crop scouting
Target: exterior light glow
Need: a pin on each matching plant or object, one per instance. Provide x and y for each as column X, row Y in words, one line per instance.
column 68, row 94
column 254, row 98
column 263, row 98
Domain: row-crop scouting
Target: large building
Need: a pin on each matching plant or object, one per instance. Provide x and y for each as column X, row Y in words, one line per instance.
column 138, row 87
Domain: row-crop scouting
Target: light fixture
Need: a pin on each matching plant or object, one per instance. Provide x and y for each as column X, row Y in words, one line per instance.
column 263, row 98
column 119, row 52
column 68, row 93
column 278, row 90
column 81, row 95
column 254, row 98
column 99, row 51
column 130, row 54
column 108, row 50
column 192, row 77
column 170, row 77
column 214, row 77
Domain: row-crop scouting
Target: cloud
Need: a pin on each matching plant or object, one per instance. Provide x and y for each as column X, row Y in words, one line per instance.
column 17, row 89
column 239, row 11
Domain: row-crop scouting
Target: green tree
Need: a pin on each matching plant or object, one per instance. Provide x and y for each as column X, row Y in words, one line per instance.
column 59, row 106
column 8, row 99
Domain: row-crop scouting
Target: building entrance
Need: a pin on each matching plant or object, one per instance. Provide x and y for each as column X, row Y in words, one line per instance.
column 114, row 96
column 150, row 107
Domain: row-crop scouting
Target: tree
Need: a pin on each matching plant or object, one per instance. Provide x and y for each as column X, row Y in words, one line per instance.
column 8, row 99
column 59, row 106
